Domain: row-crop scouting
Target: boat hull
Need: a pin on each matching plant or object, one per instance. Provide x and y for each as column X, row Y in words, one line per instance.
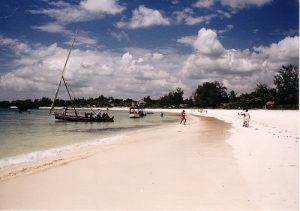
column 134, row 115
column 81, row 118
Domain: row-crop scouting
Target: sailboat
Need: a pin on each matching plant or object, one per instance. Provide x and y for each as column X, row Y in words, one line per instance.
column 71, row 114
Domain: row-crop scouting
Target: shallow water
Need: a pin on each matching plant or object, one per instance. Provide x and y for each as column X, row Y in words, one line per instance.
column 30, row 135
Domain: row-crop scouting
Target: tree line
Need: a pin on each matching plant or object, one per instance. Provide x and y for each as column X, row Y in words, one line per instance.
column 284, row 94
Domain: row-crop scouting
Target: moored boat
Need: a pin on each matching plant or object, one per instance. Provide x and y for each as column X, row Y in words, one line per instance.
column 74, row 118
column 73, row 115
column 134, row 112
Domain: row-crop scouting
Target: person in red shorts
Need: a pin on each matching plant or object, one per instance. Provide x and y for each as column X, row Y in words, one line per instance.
column 182, row 117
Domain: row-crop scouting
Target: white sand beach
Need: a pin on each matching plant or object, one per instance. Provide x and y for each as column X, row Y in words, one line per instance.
column 211, row 163
column 267, row 154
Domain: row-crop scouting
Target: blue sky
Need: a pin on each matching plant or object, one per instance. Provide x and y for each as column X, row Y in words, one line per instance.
column 140, row 48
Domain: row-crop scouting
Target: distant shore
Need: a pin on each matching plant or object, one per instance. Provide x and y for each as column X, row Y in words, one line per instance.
column 207, row 164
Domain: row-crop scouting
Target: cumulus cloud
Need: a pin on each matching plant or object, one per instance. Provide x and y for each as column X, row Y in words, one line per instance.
column 208, row 44
column 144, row 17
column 241, row 70
column 135, row 73
column 280, row 52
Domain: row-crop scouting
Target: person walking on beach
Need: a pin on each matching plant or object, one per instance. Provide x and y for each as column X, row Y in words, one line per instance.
column 246, row 118
column 182, row 117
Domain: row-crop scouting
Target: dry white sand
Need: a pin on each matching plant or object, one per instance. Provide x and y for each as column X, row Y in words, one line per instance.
column 205, row 165
column 267, row 154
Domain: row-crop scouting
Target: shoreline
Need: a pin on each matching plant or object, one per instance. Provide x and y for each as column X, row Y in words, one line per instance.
column 41, row 160
column 23, row 160
column 208, row 164
column 267, row 154
column 148, row 171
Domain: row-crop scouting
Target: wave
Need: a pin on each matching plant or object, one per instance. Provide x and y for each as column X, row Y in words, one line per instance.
column 38, row 155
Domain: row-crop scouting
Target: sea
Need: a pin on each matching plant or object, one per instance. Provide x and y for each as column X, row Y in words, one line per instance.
column 33, row 135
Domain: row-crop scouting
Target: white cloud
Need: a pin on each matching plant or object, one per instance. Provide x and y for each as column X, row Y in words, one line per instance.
column 204, row 3
column 286, row 49
column 103, row 6
column 126, row 59
column 238, row 4
column 193, row 20
column 187, row 16
column 81, row 38
column 227, row 29
column 208, row 44
column 136, row 73
column 58, row 4
column 87, row 10
column 122, row 35
column 143, row 17
column 15, row 45
column 187, row 40
column 157, row 56
column 52, row 28
column 240, row 69
column 65, row 13
column 223, row 14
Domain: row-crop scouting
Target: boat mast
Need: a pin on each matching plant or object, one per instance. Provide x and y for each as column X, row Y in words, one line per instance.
column 72, row 101
column 63, row 79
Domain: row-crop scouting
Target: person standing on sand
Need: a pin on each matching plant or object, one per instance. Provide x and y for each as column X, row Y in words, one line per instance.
column 182, row 117
column 246, row 118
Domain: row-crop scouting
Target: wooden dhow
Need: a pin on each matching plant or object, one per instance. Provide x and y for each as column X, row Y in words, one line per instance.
column 72, row 114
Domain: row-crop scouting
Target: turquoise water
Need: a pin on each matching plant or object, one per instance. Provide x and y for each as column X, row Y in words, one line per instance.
column 30, row 135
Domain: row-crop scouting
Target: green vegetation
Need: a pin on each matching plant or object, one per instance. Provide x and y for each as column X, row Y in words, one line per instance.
column 287, row 85
column 210, row 95
column 285, row 95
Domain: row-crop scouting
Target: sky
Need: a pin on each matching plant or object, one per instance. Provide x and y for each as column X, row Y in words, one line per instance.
column 138, row 48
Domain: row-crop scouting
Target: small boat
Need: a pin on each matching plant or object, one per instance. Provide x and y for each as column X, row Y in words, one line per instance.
column 73, row 115
column 136, row 112
column 21, row 108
